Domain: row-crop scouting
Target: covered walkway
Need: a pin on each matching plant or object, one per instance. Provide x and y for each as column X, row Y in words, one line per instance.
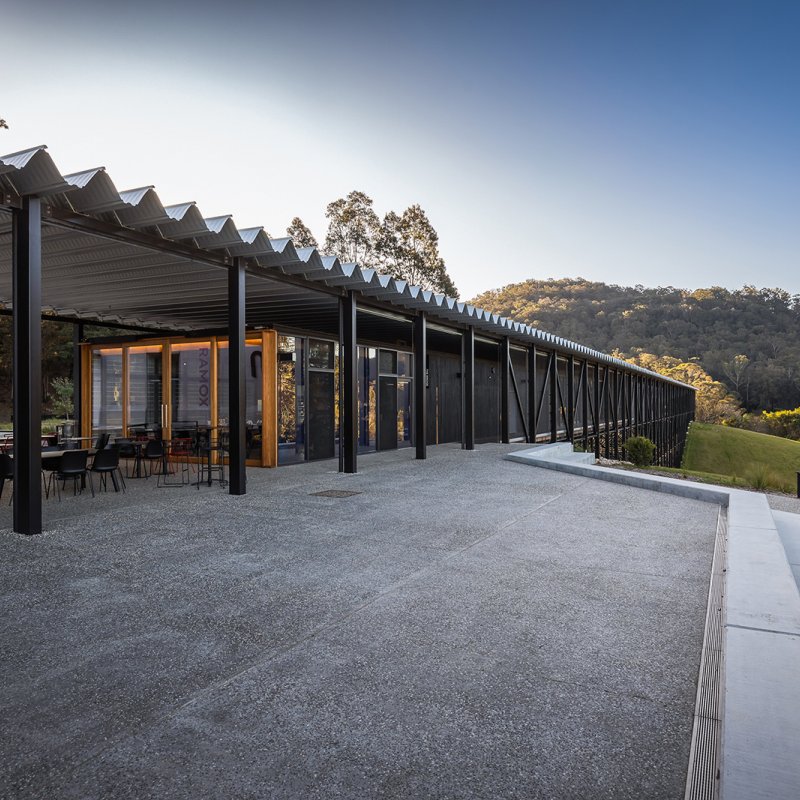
column 75, row 247
column 512, row 632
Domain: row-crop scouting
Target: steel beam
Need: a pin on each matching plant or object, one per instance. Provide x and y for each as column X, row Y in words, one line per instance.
column 505, row 361
column 237, row 407
column 349, row 388
column 26, row 269
column 468, row 387
column 420, row 385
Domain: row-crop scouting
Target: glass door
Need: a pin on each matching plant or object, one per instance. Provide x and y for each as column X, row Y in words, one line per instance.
column 367, row 395
column 107, row 391
column 145, row 391
column 291, row 400
column 322, row 393
column 190, row 387
column 254, row 406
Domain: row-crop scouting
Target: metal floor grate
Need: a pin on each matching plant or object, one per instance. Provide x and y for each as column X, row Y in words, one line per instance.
column 334, row 493
column 702, row 781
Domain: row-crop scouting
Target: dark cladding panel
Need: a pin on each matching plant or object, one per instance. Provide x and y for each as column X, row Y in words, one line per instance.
column 487, row 399
column 321, row 417
column 444, row 398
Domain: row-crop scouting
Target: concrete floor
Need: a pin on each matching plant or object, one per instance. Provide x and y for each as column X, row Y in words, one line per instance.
column 465, row 627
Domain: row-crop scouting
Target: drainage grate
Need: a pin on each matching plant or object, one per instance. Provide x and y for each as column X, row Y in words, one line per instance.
column 334, row 493
column 702, row 779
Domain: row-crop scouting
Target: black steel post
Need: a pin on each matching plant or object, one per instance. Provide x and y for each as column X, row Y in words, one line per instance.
column 77, row 376
column 533, row 389
column 571, row 400
column 553, row 397
column 585, row 403
column 607, row 439
column 348, row 420
column 27, row 364
column 505, row 360
column 420, row 384
column 237, row 406
column 596, row 421
column 615, row 394
column 468, row 387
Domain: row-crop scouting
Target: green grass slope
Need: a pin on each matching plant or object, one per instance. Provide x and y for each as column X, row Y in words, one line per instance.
column 754, row 459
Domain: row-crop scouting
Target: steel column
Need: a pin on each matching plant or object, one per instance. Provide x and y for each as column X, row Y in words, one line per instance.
column 77, row 383
column 553, row 397
column 596, row 421
column 585, row 402
column 571, row 403
column 27, row 364
column 420, row 384
column 237, row 406
column 349, row 383
column 468, row 387
column 505, row 360
column 607, row 448
column 615, row 394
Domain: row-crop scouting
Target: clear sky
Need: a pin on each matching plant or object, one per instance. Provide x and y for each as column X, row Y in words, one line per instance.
column 653, row 141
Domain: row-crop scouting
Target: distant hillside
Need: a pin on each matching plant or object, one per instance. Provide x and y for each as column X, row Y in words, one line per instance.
column 748, row 339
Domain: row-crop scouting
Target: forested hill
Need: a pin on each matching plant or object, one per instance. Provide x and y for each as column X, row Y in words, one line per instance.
column 749, row 338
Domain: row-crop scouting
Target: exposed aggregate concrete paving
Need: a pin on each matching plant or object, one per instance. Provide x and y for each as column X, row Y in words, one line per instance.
column 465, row 627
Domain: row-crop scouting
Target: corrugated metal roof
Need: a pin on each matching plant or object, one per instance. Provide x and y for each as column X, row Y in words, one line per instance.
column 174, row 280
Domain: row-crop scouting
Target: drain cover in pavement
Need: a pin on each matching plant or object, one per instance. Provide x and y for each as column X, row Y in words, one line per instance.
column 334, row 493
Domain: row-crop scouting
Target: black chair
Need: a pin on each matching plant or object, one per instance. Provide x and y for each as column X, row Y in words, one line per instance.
column 73, row 467
column 206, row 447
column 102, row 441
column 106, row 462
column 6, row 472
column 154, row 451
column 50, row 465
column 126, row 450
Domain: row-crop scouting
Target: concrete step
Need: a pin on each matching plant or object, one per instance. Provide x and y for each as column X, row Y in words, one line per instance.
column 788, row 526
column 562, row 451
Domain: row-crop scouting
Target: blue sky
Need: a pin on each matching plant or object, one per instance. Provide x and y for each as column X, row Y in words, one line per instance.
column 628, row 142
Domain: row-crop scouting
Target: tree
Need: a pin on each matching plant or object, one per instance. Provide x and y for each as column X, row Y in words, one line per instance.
column 353, row 229
column 408, row 249
column 735, row 371
column 713, row 403
column 61, row 399
column 301, row 234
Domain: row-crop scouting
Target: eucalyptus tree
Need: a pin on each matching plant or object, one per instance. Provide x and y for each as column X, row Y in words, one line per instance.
column 353, row 229
column 301, row 234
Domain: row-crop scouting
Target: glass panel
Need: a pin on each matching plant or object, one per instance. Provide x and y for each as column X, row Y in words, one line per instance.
column 253, row 394
column 367, row 372
column 320, row 354
column 107, row 391
column 403, row 413
column 144, row 390
column 388, row 362
column 191, row 386
column 404, row 364
column 291, row 400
